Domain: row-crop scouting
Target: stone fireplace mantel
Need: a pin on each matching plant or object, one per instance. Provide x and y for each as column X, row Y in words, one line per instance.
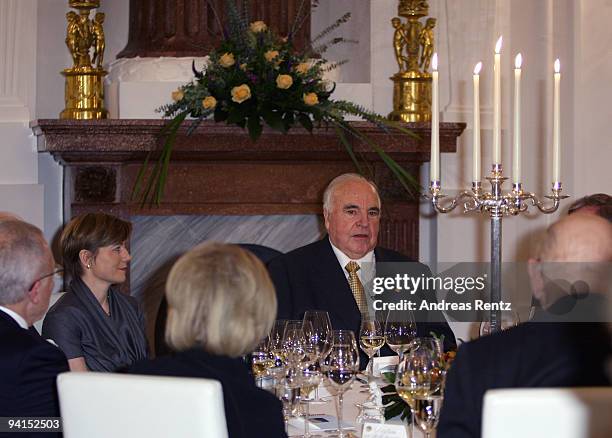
column 218, row 170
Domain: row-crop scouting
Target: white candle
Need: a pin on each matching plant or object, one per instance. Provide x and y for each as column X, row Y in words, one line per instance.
column 556, row 125
column 497, row 104
column 476, row 127
column 435, row 116
column 516, row 156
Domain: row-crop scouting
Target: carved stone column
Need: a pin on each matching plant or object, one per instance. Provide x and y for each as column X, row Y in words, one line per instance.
column 190, row 27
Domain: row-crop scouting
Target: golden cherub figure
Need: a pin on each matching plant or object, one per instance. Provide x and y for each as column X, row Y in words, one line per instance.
column 400, row 40
column 81, row 35
column 426, row 39
column 99, row 44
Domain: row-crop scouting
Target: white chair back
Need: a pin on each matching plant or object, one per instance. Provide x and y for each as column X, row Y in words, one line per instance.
column 103, row 405
column 547, row 412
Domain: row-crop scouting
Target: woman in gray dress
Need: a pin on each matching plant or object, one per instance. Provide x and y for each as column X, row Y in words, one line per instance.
column 97, row 327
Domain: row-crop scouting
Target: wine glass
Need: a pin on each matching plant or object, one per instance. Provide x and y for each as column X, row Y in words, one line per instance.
column 427, row 413
column 261, row 361
column 310, row 381
column 275, row 348
column 416, row 374
column 371, row 339
column 341, row 366
column 293, row 343
column 321, row 330
column 400, row 330
column 321, row 336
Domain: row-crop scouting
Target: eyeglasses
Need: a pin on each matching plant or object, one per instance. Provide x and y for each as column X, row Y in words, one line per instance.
column 56, row 271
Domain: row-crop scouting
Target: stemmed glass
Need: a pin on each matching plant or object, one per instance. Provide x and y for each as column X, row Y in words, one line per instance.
column 400, row 330
column 321, row 330
column 427, row 413
column 261, row 361
column 320, row 335
column 371, row 339
column 275, row 348
column 418, row 372
column 310, row 381
column 341, row 366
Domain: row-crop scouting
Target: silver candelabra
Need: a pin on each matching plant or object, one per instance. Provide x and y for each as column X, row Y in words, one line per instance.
column 497, row 204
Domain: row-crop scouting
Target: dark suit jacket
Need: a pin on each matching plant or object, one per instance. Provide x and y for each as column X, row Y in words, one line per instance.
column 249, row 411
column 28, row 368
column 529, row 355
column 310, row 278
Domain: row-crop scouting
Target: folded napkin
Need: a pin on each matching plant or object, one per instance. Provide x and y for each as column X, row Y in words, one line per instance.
column 385, row 364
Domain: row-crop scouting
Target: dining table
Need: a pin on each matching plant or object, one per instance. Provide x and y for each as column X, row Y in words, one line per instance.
column 357, row 394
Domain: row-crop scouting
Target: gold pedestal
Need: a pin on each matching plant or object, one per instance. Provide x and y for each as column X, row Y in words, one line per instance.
column 84, row 94
column 411, row 97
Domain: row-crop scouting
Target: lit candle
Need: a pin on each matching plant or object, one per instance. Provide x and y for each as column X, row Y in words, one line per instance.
column 435, row 116
column 476, row 127
column 497, row 104
column 516, row 156
column 556, row 125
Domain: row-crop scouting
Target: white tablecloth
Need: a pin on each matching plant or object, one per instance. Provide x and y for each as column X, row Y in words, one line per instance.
column 350, row 411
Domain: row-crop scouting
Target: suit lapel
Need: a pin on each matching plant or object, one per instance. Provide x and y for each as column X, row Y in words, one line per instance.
column 332, row 288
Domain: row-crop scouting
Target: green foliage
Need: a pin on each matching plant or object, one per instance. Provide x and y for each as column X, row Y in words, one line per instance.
column 255, row 78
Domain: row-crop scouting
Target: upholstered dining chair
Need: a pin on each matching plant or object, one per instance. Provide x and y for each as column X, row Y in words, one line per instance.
column 103, row 405
column 548, row 412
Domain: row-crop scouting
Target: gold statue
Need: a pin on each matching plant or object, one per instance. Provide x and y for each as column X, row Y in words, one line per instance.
column 399, row 43
column 99, row 44
column 426, row 38
column 413, row 44
column 84, row 93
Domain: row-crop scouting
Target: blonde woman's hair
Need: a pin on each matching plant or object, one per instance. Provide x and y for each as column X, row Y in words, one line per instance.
column 220, row 297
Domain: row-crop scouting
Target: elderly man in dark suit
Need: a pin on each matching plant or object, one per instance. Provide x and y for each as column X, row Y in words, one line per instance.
column 28, row 364
column 566, row 344
column 318, row 276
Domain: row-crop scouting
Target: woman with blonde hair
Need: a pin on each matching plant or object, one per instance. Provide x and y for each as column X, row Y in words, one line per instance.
column 221, row 303
column 97, row 327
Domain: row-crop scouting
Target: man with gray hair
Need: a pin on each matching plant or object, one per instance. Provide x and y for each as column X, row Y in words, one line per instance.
column 329, row 274
column 29, row 365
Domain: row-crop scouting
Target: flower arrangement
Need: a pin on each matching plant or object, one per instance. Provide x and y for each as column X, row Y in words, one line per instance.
column 394, row 405
column 255, row 78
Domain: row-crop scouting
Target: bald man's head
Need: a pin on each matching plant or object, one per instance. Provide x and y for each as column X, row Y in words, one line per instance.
column 8, row 216
column 575, row 258
column 579, row 237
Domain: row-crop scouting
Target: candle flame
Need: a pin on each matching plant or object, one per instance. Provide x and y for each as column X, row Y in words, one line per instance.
column 518, row 61
column 477, row 68
column 557, row 66
column 498, row 45
column 434, row 62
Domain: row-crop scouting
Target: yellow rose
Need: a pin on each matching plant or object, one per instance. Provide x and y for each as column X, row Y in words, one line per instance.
column 241, row 93
column 270, row 55
column 209, row 103
column 243, row 67
column 177, row 95
column 302, row 68
column 258, row 26
column 284, row 81
column 227, row 60
column 311, row 99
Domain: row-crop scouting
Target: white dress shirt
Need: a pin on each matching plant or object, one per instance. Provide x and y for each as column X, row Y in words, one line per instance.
column 16, row 316
column 367, row 267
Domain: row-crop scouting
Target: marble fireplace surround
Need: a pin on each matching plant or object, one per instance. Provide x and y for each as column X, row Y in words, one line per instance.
column 217, row 173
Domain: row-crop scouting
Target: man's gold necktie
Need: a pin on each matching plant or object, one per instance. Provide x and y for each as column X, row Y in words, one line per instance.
column 356, row 287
